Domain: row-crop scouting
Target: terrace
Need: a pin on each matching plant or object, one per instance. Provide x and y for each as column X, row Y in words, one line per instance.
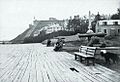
column 38, row 63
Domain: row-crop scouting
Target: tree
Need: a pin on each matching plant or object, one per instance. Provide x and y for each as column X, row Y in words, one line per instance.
column 78, row 25
column 119, row 11
column 69, row 26
column 97, row 18
column 117, row 15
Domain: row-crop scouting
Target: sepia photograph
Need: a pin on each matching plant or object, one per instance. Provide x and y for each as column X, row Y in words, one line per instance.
column 59, row 40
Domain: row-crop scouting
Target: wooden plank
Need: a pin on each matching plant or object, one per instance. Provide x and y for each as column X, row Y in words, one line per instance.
column 6, row 60
column 83, row 55
column 22, row 70
column 5, row 73
column 108, row 72
column 39, row 68
column 11, row 75
column 16, row 66
column 67, row 66
column 73, row 76
column 51, row 77
column 108, row 48
column 25, row 77
column 58, row 69
column 45, row 76
column 54, row 70
column 104, row 79
column 86, row 71
column 37, row 63
column 81, row 72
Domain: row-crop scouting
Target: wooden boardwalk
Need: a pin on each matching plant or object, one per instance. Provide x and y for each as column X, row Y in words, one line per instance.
column 38, row 63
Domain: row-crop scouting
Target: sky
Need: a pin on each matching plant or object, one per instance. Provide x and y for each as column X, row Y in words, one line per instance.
column 16, row 15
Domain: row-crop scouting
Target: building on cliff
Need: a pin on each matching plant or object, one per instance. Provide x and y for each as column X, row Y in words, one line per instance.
column 48, row 26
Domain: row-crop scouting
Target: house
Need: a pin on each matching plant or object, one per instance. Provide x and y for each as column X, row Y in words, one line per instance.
column 111, row 27
column 53, row 28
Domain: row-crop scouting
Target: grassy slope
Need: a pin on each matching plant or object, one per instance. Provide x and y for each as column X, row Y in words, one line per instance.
column 116, row 41
column 21, row 36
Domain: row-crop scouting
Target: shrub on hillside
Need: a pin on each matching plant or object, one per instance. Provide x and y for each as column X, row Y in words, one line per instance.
column 42, row 37
column 108, row 43
column 94, row 40
column 109, row 37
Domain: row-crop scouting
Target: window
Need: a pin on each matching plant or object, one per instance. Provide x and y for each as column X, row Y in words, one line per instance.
column 105, row 31
column 115, row 23
column 98, row 30
column 118, row 30
column 98, row 23
column 104, row 23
